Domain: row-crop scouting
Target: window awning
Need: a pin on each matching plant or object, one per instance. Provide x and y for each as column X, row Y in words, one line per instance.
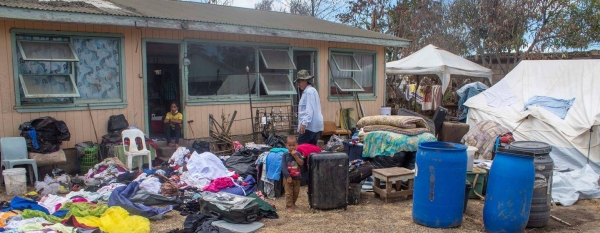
column 47, row 51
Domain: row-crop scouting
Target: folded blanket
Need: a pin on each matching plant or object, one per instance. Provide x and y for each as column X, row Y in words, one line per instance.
column 483, row 136
column 406, row 122
column 380, row 143
column 387, row 128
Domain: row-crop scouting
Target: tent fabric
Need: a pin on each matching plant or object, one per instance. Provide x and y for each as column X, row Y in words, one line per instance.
column 561, row 79
column 433, row 60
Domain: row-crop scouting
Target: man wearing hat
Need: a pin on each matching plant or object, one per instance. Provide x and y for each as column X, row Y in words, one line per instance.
column 310, row 119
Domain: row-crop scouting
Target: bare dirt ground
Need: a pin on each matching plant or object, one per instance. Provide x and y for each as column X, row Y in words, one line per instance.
column 373, row 215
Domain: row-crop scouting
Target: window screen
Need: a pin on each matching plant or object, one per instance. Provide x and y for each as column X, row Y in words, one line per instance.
column 347, row 84
column 48, row 86
column 46, row 51
column 277, row 59
column 345, row 62
column 277, row 84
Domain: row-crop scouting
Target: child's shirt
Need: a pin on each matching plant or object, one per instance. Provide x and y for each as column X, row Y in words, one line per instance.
column 289, row 166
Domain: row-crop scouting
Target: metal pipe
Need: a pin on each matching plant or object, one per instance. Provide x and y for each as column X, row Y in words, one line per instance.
column 250, row 98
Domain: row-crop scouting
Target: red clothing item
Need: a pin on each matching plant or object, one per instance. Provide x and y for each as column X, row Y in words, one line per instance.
column 308, row 149
column 220, row 183
column 72, row 221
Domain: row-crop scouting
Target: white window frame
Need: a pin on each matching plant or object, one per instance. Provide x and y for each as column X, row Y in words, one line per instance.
column 68, row 43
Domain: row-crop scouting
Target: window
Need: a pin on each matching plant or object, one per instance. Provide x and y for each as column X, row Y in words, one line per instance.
column 219, row 71
column 46, row 51
column 352, row 72
column 68, row 70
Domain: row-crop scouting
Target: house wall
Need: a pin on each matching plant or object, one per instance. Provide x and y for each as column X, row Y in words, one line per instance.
column 80, row 123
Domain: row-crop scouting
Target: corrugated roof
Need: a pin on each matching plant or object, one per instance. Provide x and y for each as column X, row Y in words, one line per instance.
column 199, row 12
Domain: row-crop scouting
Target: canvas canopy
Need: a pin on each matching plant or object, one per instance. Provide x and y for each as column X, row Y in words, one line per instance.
column 570, row 137
column 433, row 60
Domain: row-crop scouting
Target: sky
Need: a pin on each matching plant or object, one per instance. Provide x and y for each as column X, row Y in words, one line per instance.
column 246, row 3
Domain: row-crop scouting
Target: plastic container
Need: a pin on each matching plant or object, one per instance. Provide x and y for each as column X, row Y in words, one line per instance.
column 89, row 158
column 439, row 194
column 539, row 215
column 385, row 111
column 471, row 150
column 156, row 124
column 15, row 181
column 509, row 191
column 477, row 178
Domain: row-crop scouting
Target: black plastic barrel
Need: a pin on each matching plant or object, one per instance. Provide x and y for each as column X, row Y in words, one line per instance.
column 539, row 214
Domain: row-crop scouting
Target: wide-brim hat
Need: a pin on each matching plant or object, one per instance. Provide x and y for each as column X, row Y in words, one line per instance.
column 303, row 75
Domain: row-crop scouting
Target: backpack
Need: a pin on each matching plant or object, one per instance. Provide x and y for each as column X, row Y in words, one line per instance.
column 117, row 123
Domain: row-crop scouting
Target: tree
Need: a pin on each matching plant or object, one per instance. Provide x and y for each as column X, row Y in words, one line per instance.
column 217, row 2
column 321, row 9
column 509, row 31
column 265, row 5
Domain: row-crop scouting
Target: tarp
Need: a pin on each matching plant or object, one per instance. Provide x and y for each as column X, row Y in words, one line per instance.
column 433, row 60
column 561, row 79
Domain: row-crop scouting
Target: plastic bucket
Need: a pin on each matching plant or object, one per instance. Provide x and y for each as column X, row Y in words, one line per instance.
column 471, row 156
column 15, row 181
column 385, row 111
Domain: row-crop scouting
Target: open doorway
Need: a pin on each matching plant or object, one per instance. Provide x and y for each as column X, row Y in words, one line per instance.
column 163, row 83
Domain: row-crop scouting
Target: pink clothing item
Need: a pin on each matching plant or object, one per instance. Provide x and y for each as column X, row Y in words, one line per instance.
column 79, row 199
column 237, row 146
column 308, row 149
column 218, row 184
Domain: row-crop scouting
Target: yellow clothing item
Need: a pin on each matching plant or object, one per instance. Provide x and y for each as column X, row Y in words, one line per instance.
column 177, row 116
column 117, row 220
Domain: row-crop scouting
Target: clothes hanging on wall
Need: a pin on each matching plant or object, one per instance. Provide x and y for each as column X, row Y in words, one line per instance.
column 427, row 98
column 410, row 91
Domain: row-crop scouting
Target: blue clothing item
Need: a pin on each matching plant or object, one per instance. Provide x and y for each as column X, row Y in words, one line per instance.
column 19, row 203
column 248, row 189
column 309, row 110
column 465, row 93
column 121, row 197
column 558, row 107
column 274, row 163
column 33, row 134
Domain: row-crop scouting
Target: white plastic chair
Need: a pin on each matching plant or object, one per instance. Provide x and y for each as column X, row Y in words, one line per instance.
column 132, row 134
column 14, row 152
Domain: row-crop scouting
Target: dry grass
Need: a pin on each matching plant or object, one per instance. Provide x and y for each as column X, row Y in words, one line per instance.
column 373, row 215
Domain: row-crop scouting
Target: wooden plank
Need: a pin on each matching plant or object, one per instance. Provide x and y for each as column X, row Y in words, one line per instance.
column 4, row 75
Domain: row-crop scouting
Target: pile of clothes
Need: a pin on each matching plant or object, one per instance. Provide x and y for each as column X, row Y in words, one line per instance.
column 111, row 198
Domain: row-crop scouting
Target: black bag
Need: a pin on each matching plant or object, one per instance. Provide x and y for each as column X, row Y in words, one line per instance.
column 328, row 180
column 63, row 131
column 117, row 123
column 201, row 146
column 248, row 214
column 242, row 162
column 358, row 174
column 354, row 151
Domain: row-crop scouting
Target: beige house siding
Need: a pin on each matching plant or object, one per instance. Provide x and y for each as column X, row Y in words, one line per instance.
column 79, row 122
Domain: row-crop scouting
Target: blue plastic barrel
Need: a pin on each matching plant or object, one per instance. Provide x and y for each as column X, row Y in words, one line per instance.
column 439, row 194
column 509, row 191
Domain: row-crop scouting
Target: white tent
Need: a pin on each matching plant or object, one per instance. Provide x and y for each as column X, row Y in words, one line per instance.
column 433, row 60
column 562, row 79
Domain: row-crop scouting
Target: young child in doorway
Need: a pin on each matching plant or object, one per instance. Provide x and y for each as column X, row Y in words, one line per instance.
column 291, row 163
column 172, row 125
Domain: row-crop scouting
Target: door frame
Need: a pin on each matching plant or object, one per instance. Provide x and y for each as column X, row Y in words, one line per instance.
column 145, row 78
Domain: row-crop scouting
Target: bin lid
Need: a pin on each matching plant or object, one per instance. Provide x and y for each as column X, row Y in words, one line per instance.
column 531, row 146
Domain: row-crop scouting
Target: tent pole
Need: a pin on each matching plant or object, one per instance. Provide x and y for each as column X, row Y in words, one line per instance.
column 590, row 145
